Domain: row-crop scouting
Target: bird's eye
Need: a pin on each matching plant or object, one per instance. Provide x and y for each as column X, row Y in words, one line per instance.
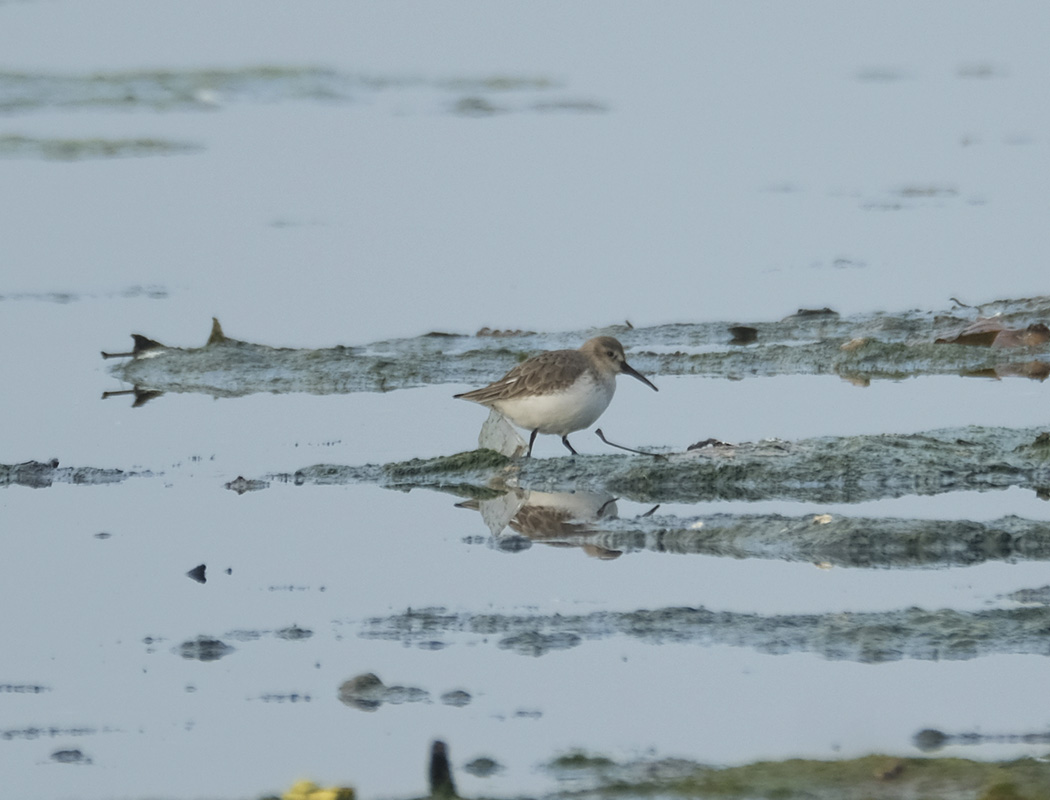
column 610, row 353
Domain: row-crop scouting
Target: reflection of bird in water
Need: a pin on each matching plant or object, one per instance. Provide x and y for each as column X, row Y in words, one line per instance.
column 992, row 332
column 559, row 391
column 142, row 396
column 560, row 519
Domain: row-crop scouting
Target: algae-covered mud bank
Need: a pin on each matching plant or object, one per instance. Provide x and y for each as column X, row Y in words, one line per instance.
column 13, row 146
column 867, row 638
column 826, row 470
column 211, row 89
column 38, row 475
column 859, row 348
column 871, row 778
column 582, row 774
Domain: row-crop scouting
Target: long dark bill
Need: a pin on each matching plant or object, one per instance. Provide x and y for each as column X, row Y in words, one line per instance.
column 627, row 368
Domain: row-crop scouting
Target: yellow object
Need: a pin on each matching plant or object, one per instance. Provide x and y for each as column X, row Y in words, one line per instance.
column 308, row 790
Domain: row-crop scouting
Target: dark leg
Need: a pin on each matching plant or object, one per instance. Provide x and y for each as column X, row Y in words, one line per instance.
column 531, row 440
column 565, row 441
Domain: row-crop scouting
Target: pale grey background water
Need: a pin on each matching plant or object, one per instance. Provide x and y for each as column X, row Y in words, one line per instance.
column 751, row 158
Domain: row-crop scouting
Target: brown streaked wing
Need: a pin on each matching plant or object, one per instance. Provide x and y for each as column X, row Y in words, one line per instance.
column 543, row 374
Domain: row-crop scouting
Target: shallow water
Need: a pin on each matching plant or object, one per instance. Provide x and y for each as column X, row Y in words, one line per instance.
column 352, row 179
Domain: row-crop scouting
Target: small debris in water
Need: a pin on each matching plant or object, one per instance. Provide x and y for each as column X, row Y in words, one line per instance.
column 534, row 643
column 141, row 344
column 293, row 633
column 291, row 697
column 930, row 739
column 440, row 772
column 743, row 334
column 204, row 648
column 70, row 757
column 197, row 573
column 483, row 767
column 813, row 312
column 496, row 333
column 366, row 692
column 23, row 688
column 308, row 790
column 708, row 443
column 241, row 485
column 457, row 698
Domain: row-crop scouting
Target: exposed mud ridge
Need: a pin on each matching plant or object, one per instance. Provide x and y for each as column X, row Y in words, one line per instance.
column 210, row 89
column 39, row 475
column 858, row 348
column 873, row 777
column 821, row 539
column 824, row 469
column 865, row 637
column 70, row 149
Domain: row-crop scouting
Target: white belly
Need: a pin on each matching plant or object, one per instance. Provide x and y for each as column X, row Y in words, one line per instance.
column 561, row 413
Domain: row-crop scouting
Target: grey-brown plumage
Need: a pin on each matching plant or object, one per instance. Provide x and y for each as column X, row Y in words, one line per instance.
column 549, row 372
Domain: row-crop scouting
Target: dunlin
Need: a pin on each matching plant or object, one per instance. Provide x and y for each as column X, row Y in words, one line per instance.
column 559, row 391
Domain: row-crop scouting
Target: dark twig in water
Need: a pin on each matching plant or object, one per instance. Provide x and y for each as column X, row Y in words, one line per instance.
column 651, row 511
column 142, row 396
column 142, row 345
column 441, row 784
column 628, row 449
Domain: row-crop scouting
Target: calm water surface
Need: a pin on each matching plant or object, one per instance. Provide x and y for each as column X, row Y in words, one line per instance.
column 699, row 162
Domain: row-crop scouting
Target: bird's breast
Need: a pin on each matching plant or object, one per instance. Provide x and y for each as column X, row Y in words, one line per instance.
column 572, row 409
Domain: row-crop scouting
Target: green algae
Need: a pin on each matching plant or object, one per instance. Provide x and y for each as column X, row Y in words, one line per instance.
column 153, row 292
column 861, row 637
column 40, row 474
column 583, row 774
column 1038, row 449
column 471, row 461
column 165, row 89
column 211, row 88
column 580, row 759
column 873, row 777
column 841, row 469
column 79, row 149
column 830, row 541
column 829, row 469
column 858, row 348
